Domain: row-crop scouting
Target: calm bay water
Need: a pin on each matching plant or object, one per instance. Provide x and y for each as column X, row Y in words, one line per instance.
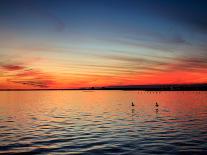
column 92, row 122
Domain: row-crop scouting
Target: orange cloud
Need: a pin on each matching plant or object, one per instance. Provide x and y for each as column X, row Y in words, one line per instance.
column 12, row 67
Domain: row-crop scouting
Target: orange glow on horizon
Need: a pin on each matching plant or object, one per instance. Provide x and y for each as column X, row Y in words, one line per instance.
column 58, row 81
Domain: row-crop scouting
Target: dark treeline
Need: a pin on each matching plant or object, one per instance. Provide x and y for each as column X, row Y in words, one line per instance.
column 166, row 87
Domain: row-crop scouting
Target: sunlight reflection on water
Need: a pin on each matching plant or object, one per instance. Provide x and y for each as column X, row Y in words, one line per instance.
column 70, row 122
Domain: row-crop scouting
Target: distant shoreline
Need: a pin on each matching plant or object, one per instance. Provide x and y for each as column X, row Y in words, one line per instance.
column 169, row 87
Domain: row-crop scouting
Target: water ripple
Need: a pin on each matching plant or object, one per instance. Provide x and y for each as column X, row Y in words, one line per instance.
column 107, row 126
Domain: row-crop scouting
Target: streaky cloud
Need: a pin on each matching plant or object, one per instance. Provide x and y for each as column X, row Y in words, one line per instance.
column 12, row 67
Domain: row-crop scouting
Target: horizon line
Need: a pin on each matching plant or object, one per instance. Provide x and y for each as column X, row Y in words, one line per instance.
column 192, row 86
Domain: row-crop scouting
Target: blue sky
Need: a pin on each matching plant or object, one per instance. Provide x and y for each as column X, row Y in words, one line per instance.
column 109, row 42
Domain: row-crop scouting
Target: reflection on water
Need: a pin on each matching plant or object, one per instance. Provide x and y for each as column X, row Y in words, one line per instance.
column 79, row 122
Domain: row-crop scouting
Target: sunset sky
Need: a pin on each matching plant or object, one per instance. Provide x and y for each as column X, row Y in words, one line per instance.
column 85, row 43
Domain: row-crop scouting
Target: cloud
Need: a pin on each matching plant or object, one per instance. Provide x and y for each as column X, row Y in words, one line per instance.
column 36, row 83
column 33, row 77
column 192, row 64
column 59, row 24
column 12, row 67
column 126, row 64
column 150, row 39
column 39, row 13
column 25, row 75
column 132, row 59
column 29, row 72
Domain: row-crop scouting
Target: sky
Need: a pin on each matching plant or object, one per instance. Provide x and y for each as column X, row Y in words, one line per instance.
column 55, row 44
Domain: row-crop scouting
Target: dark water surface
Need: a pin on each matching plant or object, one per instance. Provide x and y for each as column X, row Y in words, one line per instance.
column 104, row 122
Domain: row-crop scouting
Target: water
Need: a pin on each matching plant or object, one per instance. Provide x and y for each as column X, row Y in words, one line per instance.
column 92, row 122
